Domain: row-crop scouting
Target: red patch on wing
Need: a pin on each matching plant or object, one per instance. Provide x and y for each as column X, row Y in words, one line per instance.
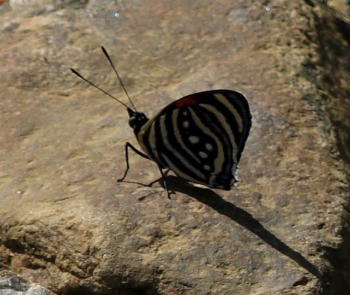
column 186, row 101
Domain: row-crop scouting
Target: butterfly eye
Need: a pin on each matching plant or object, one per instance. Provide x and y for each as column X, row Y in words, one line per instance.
column 132, row 121
column 136, row 120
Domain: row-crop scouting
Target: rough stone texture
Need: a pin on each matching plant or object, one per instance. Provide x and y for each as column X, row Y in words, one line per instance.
column 68, row 225
column 13, row 285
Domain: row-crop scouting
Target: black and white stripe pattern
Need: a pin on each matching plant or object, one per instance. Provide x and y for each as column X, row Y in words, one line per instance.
column 200, row 137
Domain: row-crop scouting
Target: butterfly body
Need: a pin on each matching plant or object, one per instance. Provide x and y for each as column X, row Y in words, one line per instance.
column 200, row 137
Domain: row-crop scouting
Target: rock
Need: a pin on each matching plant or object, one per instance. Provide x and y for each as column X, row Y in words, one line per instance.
column 43, row 5
column 68, row 225
column 13, row 285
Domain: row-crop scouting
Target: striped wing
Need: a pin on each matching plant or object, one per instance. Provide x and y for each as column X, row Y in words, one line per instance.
column 200, row 137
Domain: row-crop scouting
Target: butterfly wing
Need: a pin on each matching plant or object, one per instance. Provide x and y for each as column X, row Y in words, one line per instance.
column 200, row 136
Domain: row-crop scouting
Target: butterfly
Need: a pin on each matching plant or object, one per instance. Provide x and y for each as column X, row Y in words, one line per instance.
column 200, row 137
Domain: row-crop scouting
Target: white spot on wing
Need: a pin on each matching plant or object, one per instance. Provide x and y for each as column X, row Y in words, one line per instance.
column 179, row 137
column 209, row 146
column 193, row 139
column 203, row 155
column 206, row 167
column 219, row 160
column 186, row 124
column 181, row 161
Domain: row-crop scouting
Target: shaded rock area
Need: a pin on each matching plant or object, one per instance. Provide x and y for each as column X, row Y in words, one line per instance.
column 68, row 225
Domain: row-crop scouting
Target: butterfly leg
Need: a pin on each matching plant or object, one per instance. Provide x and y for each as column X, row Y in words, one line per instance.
column 127, row 146
column 169, row 193
column 158, row 179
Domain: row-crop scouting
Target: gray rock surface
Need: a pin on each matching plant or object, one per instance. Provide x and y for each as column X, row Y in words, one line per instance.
column 13, row 285
column 65, row 222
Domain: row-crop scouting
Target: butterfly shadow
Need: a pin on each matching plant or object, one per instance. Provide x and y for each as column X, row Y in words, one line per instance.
column 242, row 217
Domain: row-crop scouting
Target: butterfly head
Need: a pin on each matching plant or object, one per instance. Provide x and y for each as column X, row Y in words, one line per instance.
column 136, row 119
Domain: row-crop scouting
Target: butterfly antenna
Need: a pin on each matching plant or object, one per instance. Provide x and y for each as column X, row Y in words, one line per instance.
column 94, row 85
column 120, row 80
